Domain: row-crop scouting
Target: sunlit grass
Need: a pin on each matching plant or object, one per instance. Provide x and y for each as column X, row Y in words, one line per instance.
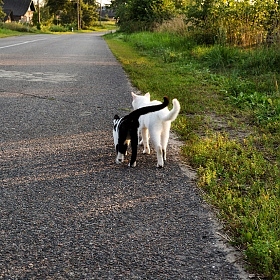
column 230, row 122
column 17, row 29
column 7, row 33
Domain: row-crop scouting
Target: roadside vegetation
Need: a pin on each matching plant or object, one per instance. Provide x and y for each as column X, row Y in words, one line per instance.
column 229, row 124
column 15, row 29
column 60, row 17
column 18, row 29
column 221, row 59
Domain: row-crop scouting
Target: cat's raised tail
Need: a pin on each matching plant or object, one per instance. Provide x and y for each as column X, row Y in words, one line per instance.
column 173, row 113
column 148, row 109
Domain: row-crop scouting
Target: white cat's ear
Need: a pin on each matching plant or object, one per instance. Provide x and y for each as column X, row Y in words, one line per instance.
column 133, row 95
column 148, row 95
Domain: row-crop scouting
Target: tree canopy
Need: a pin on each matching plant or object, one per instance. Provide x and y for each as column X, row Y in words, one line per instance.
column 143, row 11
column 234, row 21
column 2, row 14
column 225, row 21
column 66, row 11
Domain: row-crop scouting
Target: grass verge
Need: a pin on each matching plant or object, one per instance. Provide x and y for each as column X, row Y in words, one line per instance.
column 230, row 124
column 8, row 33
column 18, row 29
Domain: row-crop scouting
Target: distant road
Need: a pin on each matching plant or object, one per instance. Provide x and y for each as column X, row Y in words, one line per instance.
column 75, row 68
column 67, row 211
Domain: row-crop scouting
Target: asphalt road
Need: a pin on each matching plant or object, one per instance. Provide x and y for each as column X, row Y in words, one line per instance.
column 67, row 211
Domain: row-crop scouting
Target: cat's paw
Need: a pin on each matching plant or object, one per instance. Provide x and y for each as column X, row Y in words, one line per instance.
column 160, row 164
column 146, row 151
column 132, row 165
column 120, row 158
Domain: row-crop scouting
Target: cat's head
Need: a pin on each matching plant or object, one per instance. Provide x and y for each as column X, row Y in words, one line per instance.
column 140, row 100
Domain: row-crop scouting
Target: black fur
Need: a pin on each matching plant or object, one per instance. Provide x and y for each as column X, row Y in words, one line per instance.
column 128, row 128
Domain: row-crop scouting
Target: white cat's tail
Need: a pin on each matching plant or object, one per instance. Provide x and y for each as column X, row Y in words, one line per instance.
column 172, row 115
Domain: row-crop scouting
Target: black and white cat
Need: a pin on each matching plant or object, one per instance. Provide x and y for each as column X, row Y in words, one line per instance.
column 126, row 130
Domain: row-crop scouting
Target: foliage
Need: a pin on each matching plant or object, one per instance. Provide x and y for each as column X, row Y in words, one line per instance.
column 15, row 29
column 7, row 32
column 243, row 184
column 2, row 14
column 59, row 28
column 46, row 18
column 230, row 123
column 18, row 27
column 89, row 15
column 235, row 22
column 143, row 13
column 60, row 5
column 64, row 12
column 245, row 23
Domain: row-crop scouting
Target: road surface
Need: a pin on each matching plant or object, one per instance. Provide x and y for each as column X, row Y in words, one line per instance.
column 67, row 211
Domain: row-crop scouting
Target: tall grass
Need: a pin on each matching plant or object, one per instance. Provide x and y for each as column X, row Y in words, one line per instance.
column 13, row 28
column 231, row 126
column 18, row 27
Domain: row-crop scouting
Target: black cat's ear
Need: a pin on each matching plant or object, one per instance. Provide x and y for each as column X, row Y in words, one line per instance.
column 116, row 117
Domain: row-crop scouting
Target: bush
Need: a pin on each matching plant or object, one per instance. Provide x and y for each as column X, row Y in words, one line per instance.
column 58, row 28
column 18, row 27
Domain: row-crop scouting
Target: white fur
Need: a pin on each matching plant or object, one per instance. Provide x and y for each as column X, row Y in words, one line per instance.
column 156, row 125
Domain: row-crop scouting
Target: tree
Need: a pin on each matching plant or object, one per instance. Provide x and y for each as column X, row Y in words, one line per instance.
column 147, row 12
column 65, row 11
column 89, row 15
column 243, row 22
column 57, row 5
column 2, row 14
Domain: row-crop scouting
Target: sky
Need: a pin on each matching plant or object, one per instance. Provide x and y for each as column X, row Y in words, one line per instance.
column 103, row 1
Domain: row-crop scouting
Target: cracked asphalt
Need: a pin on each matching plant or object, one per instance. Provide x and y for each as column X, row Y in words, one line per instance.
column 67, row 211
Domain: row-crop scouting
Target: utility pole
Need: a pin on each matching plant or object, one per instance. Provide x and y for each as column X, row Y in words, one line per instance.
column 100, row 11
column 78, row 15
column 39, row 15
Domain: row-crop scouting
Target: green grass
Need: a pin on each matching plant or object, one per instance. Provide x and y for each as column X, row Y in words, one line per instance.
column 8, row 33
column 230, row 123
column 17, row 29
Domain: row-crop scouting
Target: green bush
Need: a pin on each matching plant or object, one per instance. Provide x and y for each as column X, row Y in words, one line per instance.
column 58, row 28
column 18, row 27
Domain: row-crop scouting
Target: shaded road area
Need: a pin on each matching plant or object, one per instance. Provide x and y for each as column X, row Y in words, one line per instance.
column 67, row 211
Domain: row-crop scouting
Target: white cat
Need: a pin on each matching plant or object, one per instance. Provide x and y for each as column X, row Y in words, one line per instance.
column 125, row 130
column 156, row 124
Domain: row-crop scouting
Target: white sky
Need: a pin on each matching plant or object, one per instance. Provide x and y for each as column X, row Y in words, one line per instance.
column 102, row 1
column 106, row 1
